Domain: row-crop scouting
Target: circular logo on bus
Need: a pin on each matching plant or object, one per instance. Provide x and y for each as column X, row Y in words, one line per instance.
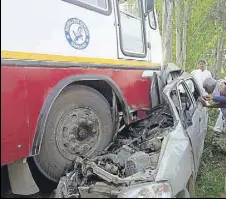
column 77, row 33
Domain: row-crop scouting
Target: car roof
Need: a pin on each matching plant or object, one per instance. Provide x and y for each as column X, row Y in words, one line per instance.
column 185, row 75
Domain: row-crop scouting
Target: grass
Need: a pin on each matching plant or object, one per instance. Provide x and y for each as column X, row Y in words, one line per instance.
column 212, row 173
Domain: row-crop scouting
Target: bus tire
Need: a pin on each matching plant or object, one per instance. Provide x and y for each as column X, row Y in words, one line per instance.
column 79, row 124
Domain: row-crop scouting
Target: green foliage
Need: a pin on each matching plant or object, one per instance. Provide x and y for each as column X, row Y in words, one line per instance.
column 206, row 23
column 158, row 6
column 213, row 114
column 202, row 34
column 211, row 175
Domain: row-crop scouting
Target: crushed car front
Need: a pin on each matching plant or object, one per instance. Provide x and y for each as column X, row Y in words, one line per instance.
column 151, row 158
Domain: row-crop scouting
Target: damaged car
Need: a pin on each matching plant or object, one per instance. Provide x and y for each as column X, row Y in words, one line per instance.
column 155, row 157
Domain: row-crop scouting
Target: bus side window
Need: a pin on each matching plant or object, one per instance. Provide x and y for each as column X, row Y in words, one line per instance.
column 97, row 3
column 131, row 23
column 100, row 6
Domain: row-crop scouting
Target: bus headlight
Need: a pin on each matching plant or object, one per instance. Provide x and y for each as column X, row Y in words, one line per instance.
column 147, row 190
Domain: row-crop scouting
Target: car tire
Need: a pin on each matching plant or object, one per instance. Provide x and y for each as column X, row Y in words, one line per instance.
column 79, row 124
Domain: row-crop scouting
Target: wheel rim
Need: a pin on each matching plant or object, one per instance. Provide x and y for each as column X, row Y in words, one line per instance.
column 78, row 132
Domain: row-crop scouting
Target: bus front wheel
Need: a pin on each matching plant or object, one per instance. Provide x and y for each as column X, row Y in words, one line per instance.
column 79, row 124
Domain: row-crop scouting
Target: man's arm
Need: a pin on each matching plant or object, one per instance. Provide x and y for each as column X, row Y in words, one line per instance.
column 216, row 106
column 219, row 99
column 220, row 105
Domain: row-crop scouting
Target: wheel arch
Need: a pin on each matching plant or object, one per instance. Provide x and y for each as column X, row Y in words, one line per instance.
column 60, row 86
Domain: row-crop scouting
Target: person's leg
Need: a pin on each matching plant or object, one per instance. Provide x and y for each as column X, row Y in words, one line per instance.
column 219, row 124
column 224, row 125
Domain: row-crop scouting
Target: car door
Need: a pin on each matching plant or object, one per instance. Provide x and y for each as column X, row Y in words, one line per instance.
column 203, row 119
column 190, row 116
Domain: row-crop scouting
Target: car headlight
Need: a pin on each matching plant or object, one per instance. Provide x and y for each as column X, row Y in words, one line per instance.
column 147, row 190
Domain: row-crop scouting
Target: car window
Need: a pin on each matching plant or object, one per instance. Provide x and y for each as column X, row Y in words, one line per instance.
column 183, row 103
column 175, row 99
column 193, row 87
column 185, row 99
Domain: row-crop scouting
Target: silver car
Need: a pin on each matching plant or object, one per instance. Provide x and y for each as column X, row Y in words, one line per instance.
column 156, row 157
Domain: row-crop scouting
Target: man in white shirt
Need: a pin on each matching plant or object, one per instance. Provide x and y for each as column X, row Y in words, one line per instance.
column 201, row 74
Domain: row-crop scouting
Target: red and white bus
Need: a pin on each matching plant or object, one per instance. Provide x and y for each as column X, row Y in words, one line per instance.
column 73, row 73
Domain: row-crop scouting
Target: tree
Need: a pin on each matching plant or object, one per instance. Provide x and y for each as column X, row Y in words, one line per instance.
column 219, row 13
column 167, row 10
column 178, row 34
column 193, row 30
column 184, row 37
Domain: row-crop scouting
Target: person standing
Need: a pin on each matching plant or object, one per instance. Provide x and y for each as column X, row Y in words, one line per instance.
column 219, row 126
column 200, row 74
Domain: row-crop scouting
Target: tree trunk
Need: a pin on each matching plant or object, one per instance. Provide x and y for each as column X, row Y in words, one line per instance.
column 219, row 56
column 164, row 22
column 184, row 40
column 178, row 35
column 167, row 30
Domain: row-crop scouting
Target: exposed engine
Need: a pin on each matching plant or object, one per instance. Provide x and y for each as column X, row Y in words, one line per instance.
column 131, row 158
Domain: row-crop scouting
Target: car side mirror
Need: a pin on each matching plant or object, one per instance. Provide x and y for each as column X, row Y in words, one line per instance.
column 149, row 6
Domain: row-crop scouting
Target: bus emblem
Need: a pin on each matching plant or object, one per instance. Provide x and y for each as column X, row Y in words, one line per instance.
column 77, row 33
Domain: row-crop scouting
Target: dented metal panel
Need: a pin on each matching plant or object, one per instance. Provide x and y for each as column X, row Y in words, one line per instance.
column 176, row 164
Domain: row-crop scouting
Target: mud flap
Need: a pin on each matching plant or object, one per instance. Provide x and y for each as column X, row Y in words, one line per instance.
column 21, row 180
